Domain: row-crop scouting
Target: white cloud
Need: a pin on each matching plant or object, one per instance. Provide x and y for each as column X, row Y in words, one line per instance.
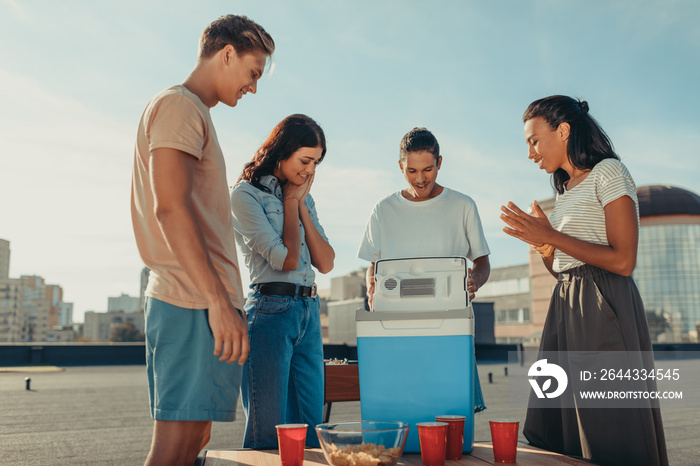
column 15, row 6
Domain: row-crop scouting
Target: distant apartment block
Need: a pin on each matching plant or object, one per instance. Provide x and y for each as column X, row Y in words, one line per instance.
column 62, row 333
column 341, row 320
column 30, row 309
column 4, row 259
column 98, row 325
column 124, row 303
column 508, row 288
column 24, row 310
column 350, row 286
column 54, row 295
column 347, row 294
column 65, row 314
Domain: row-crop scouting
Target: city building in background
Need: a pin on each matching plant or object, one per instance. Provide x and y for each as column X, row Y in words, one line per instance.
column 62, row 333
column 30, row 309
column 24, row 310
column 347, row 294
column 668, row 262
column 4, row 259
column 123, row 309
column 124, row 303
column 54, row 295
column 65, row 314
column 508, row 288
column 350, row 286
column 98, row 326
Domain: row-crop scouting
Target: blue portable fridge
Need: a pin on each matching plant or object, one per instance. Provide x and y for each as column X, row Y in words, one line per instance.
column 416, row 350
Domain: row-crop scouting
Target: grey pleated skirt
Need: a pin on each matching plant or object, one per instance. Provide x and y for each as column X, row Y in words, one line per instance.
column 595, row 310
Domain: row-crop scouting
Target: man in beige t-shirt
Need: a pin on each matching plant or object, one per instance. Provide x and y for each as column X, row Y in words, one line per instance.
column 184, row 232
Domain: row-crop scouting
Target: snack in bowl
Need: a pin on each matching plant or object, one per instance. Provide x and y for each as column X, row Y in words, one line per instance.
column 365, row 454
column 363, row 443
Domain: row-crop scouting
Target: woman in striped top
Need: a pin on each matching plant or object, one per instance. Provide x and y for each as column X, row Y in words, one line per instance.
column 589, row 242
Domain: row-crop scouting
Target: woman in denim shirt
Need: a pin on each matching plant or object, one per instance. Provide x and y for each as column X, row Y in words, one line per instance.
column 278, row 232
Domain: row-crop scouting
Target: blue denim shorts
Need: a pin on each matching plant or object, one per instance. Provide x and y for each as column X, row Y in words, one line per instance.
column 185, row 380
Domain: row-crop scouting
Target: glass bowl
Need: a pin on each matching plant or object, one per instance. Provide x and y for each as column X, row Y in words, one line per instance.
column 370, row 443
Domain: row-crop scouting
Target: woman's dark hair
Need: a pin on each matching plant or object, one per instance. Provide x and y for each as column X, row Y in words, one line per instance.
column 588, row 144
column 419, row 139
column 290, row 135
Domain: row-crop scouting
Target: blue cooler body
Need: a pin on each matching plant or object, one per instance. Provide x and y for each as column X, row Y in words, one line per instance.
column 416, row 350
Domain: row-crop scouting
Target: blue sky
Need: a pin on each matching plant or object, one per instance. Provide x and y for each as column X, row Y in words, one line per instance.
column 75, row 77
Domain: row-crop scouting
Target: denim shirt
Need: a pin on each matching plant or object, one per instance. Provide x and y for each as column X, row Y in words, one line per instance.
column 258, row 220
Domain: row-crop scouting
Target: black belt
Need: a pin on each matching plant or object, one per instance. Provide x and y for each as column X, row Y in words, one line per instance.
column 286, row 289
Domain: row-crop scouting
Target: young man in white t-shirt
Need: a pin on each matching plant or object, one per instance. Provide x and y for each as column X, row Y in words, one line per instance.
column 425, row 219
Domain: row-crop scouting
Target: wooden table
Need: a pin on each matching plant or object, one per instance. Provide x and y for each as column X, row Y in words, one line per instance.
column 342, row 383
column 481, row 455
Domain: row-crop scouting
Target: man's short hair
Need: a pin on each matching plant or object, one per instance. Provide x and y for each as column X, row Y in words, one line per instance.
column 419, row 139
column 244, row 34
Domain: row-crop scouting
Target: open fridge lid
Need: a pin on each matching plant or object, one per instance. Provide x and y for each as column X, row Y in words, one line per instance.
column 421, row 284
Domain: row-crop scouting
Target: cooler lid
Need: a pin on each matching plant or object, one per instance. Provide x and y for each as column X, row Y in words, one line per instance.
column 421, row 284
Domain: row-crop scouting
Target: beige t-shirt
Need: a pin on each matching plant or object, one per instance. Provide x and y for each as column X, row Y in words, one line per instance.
column 177, row 119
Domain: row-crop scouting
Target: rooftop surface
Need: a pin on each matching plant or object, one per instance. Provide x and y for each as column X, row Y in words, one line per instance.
column 98, row 415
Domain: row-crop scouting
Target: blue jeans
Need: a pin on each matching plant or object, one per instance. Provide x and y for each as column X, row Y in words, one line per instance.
column 283, row 375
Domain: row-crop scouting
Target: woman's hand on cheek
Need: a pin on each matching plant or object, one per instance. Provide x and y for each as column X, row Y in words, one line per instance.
column 307, row 185
column 294, row 191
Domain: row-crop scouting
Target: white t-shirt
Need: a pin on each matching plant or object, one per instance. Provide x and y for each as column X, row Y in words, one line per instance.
column 446, row 225
column 580, row 213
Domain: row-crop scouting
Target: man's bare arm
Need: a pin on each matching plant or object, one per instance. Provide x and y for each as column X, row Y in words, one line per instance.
column 479, row 275
column 172, row 175
column 370, row 285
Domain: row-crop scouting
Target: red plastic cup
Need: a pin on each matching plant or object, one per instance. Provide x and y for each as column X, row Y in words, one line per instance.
column 432, row 437
column 291, row 439
column 455, row 435
column 504, row 436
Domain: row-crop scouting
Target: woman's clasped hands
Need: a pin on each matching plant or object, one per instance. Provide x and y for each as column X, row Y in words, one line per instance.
column 532, row 229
